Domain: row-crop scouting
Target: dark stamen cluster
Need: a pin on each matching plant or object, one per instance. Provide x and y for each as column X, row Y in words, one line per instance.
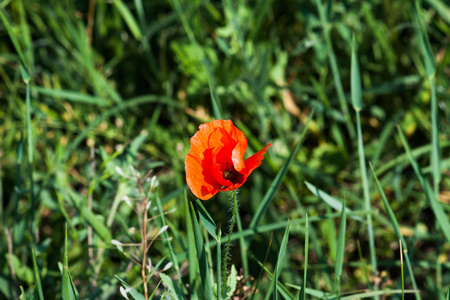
column 230, row 173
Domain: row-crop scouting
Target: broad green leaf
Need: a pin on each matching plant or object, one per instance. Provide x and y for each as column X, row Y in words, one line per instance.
column 231, row 283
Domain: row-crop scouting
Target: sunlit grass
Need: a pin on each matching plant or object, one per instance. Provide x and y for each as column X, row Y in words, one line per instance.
column 99, row 100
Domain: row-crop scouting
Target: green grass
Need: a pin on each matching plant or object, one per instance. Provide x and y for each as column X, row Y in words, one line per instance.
column 97, row 95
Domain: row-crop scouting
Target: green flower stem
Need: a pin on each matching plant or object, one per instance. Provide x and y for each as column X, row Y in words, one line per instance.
column 225, row 259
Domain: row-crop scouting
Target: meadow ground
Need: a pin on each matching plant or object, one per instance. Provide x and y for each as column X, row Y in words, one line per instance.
column 99, row 100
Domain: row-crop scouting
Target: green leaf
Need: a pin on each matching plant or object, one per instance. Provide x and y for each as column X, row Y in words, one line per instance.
column 206, row 219
column 97, row 225
column 231, row 283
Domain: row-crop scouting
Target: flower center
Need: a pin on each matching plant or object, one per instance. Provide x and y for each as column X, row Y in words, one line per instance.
column 231, row 175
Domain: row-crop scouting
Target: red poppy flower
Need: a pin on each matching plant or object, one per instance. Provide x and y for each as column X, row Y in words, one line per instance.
column 215, row 161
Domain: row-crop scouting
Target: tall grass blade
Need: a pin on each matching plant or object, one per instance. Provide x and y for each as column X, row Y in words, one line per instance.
column 207, row 287
column 441, row 9
column 340, row 247
column 431, row 73
column 377, row 293
column 191, row 250
column 401, row 268
column 324, row 20
column 16, row 44
column 331, row 201
column 71, row 96
column 215, row 104
column 218, row 265
column 398, row 233
column 207, row 220
column 436, row 206
column 280, row 262
column 305, row 272
column 355, row 79
column 277, row 181
column 37, row 277
column 128, row 18
column 69, row 291
column 165, row 234
column 357, row 105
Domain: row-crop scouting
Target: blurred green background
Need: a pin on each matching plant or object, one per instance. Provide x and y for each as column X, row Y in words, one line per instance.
column 119, row 84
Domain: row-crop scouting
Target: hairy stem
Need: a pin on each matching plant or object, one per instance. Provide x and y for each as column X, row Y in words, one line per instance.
column 225, row 260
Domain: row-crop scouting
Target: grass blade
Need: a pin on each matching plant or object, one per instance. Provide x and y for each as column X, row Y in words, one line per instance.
column 69, row 291
column 201, row 256
column 396, row 226
column 305, row 272
column 128, row 18
column 431, row 72
column 277, row 181
column 214, row 102
column 12, row 36
column 280, row 262
column 340, row 248
column 436, row 206
column 331, row 201
column 36, row 276
column 207, row 220
column 334, row 66
column 71, row 96
column 357, row 105
column 355, row 79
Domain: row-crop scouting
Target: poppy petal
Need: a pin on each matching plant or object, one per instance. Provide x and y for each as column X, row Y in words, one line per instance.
column 200, row 178
column 254, row 161
column 238, row 155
